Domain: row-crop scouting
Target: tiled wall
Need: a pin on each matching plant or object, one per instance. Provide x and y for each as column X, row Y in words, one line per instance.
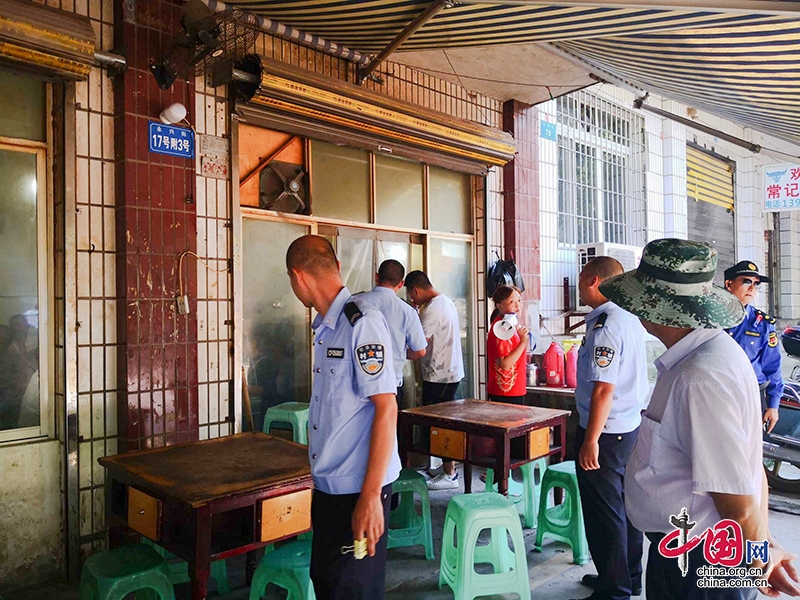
column 214, row 286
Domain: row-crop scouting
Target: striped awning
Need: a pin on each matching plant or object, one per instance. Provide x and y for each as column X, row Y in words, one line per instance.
column 739, row 65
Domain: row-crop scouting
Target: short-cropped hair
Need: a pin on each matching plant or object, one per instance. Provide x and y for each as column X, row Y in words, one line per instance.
column 604, row 267
column 418, row 280
column 311, row 254
column 391, row 272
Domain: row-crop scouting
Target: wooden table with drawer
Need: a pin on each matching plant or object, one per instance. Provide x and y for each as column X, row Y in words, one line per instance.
column 212, row 499
column 480, row 433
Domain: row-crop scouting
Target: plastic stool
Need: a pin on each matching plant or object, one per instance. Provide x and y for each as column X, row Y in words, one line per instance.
column 565, row 521
column 178, row 570
column 406, row 527
column 288, row 568
column 114, row 574
column 526, row 494
column 467, row 515
column 294, row 413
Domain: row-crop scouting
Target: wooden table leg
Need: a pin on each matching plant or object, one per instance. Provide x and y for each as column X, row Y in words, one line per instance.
column 407, row 443
column 467, row 478
column 504, row 445
column 200, row 565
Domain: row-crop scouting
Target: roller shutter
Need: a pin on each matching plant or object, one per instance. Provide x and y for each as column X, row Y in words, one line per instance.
column 710, row 205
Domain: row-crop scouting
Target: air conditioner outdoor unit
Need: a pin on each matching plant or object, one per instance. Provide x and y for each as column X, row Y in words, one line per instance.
column 628, row 256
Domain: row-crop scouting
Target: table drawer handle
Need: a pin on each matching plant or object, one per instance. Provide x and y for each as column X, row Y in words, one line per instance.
column 141, row 512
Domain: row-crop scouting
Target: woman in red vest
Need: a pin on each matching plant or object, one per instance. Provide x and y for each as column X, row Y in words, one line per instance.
column 506, row 358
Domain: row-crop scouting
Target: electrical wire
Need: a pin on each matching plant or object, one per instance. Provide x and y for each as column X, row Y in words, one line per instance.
column 205, row 264
column 488, row 80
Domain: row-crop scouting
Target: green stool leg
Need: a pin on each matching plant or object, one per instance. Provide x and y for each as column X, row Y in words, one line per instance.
column 406, row 527
column 526, row 494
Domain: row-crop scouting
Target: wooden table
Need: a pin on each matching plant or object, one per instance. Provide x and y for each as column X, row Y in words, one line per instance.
column 459, row 431
column 209, row 500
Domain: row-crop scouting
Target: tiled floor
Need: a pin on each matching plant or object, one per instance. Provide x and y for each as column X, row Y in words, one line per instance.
column 409, row 575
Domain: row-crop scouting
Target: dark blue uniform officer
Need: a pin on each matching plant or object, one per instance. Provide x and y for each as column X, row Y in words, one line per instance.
column 757, row 336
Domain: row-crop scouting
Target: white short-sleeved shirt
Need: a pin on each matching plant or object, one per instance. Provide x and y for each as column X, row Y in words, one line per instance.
column 442, row 362
column 701, row 433
column 613, row 351
column 404, row 325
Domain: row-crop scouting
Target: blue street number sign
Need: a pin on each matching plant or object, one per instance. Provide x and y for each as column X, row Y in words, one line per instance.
column 548, row 131
column 172, row 140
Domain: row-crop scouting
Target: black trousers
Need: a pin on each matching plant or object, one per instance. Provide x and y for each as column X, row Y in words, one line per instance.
column 666, row 582
column 338, row 576
column 508, row 399
column 615, row 544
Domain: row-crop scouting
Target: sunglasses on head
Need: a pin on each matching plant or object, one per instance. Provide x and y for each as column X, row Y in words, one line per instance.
column 750, row 282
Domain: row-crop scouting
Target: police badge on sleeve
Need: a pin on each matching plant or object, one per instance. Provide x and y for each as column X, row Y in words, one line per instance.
column 603, row 356
column 370, row 357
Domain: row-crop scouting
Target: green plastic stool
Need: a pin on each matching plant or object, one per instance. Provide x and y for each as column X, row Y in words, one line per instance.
column 565, row 521
column 178, row 570
column 294, row 413
column 288, row 568
column 526, row 494
column 406, row 526
column 114, row 574
column 467, row 515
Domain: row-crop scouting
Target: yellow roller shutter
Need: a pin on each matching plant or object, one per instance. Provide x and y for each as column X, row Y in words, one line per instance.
column 708, row 179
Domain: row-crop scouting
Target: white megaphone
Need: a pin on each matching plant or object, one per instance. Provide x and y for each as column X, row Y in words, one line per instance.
column 504, row 328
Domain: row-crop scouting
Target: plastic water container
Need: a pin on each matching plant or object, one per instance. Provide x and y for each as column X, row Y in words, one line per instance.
column 571, row 373
column 553, row 365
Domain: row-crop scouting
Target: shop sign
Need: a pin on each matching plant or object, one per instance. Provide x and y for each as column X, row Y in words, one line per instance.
column 781, row 187
column 172, row 140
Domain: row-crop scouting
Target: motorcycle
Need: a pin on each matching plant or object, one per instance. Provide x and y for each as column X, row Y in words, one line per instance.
column 782, row 446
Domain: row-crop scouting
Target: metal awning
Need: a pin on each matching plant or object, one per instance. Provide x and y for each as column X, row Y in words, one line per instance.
column 739, row 60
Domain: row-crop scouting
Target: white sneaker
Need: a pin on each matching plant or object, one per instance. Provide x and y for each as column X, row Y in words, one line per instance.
column 443, row 481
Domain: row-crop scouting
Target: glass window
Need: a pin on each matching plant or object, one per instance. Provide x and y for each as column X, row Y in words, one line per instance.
column 277, row 337
column 340, row 182
column 449, row 201
column 19, row 294
column 17, row 91
column 398, row 192
column 450, row 272
column 356, row 255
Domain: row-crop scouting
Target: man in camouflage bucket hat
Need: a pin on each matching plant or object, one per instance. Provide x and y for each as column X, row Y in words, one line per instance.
column 699, row 445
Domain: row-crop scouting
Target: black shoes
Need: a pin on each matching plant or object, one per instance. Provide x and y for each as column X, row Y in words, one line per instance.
column 591, row 582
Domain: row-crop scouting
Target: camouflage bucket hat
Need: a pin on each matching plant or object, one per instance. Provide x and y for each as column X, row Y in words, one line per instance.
column 673, row 286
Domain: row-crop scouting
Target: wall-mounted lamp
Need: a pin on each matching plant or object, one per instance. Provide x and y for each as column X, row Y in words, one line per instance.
column 174, row 113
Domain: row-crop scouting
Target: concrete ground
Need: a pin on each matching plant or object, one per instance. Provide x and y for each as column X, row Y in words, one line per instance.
column 553, row 576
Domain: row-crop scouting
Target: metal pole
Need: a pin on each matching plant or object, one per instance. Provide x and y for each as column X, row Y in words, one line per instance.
column 433, row 9
column 594, row 72
column 245, row 77
column 116, row 62
column 755, row 148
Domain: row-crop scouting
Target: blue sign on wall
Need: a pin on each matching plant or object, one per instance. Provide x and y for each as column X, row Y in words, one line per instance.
column 548, row 131
column 172, row 140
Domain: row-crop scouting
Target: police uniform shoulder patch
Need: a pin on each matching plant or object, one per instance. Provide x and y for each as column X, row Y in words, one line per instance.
column 603, row 356
column 352, row 312
column 772, row 339
column 601, row 321
column 371, row 358
column 769, row 319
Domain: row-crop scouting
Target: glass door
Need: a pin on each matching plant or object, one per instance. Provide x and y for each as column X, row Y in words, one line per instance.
column 277, row 337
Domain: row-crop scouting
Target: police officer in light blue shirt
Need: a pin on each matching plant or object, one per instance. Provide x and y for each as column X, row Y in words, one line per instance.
column 408, row 339
column 757, row 337
column 610, row 395
column 352, row 419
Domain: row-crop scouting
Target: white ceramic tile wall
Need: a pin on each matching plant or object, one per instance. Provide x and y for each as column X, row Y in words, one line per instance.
column 214, row 291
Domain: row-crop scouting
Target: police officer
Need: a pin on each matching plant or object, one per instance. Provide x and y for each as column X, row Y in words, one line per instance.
column 408, row 339
column 352, row 418
column 757, row 336
column 612, row 389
